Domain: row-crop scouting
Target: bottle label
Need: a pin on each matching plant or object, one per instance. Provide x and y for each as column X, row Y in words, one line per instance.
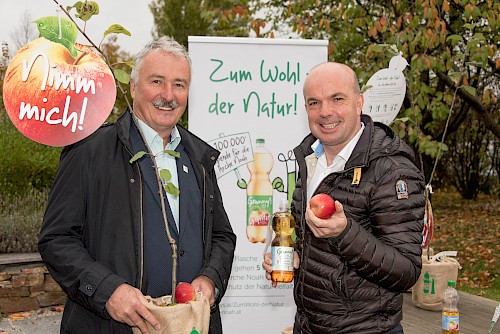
column 258, row 210
column 282, row 258
column 450, row 323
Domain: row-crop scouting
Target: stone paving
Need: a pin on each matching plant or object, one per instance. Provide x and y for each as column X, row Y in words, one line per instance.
column 41, row 321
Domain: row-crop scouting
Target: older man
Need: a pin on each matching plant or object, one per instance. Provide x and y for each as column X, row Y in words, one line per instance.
column 104, row 236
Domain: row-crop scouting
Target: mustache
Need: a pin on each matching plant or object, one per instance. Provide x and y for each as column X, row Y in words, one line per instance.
column 162, row 103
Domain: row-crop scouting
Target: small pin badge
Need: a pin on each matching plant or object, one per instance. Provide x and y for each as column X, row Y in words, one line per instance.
column 401, row 189
column 185, row 169
column 356, row 177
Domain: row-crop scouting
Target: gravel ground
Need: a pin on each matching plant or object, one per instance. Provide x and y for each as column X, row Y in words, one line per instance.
column 42, row 321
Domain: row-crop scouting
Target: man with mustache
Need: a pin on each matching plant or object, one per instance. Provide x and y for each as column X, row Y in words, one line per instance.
column 352, row 268
column 103, row 236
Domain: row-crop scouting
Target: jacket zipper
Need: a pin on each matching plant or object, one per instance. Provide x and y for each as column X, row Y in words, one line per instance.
column 302, row 241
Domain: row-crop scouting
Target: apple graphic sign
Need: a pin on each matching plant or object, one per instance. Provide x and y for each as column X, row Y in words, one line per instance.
column 55, row 99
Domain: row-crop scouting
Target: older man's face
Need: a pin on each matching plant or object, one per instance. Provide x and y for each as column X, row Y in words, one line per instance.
column 161, row 91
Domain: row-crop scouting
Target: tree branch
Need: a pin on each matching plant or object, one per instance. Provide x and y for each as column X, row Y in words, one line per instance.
column 490, row 123
column 118, row 83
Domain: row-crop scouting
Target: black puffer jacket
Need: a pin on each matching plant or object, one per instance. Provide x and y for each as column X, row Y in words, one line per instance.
column 353, row 283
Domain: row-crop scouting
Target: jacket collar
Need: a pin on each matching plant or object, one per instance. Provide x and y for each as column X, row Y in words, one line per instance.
column 123, row 128
column 376, row 140
column 197, row 149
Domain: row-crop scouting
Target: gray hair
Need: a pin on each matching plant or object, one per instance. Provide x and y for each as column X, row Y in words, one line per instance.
column 164, row 43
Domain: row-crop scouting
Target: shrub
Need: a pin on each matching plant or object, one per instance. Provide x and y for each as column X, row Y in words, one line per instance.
column 26, row 174
column 25, row 163
column 20, row 221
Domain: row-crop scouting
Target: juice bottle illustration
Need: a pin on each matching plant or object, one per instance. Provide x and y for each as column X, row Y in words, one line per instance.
column 259, row 193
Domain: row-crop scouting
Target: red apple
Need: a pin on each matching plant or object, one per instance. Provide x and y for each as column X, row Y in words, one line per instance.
column 184, row 293
column 55, row 99
column 322, row 205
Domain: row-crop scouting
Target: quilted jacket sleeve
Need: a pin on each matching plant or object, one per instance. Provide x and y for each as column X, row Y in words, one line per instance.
column 390, row 254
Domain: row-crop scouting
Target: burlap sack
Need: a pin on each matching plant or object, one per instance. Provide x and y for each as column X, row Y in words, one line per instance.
column 428, row 292
column 189, row 318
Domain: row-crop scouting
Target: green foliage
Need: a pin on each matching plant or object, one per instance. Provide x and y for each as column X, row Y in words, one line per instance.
column 164, row 174
column 26, row 174
column 137, row 156
column 181, row 18
column 26, row 164
column 451, row 46
column 120, row 62
column 85, row 10
column 20, row 221
column 116, row 29
column 121, row 75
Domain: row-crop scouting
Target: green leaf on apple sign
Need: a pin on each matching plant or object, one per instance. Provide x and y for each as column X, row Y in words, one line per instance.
column 59, row 30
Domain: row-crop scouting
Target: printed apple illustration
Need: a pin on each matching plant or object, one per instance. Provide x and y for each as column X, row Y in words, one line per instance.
column 184, row 293
column 322, row 205
column 55, row 99
column 259, row 217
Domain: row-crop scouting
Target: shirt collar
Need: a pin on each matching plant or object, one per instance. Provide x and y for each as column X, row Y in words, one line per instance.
column 151, row 136
column 345, row 153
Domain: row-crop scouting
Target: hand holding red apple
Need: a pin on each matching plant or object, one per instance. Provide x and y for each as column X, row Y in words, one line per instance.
column 325, row 216
column 322, row 205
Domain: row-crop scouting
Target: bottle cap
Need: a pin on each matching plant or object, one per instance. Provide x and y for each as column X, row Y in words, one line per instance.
column 451, row 283
column 260, row 141
column 283, row 205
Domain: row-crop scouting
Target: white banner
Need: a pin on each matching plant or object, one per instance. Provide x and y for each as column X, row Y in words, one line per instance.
column 244, row 91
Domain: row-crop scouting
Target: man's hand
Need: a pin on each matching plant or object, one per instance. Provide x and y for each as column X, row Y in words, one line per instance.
column 268, row 265
column 206, row 286
column 125, row 305
column 330, row 227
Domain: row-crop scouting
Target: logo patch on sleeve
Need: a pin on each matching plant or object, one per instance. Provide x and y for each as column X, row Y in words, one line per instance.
column 401, row 189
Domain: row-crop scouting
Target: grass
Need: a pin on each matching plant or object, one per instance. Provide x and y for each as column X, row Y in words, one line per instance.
column 472, row 228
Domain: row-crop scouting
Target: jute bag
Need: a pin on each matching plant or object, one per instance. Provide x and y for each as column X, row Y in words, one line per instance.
column 190, row 318
column 428, row 292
